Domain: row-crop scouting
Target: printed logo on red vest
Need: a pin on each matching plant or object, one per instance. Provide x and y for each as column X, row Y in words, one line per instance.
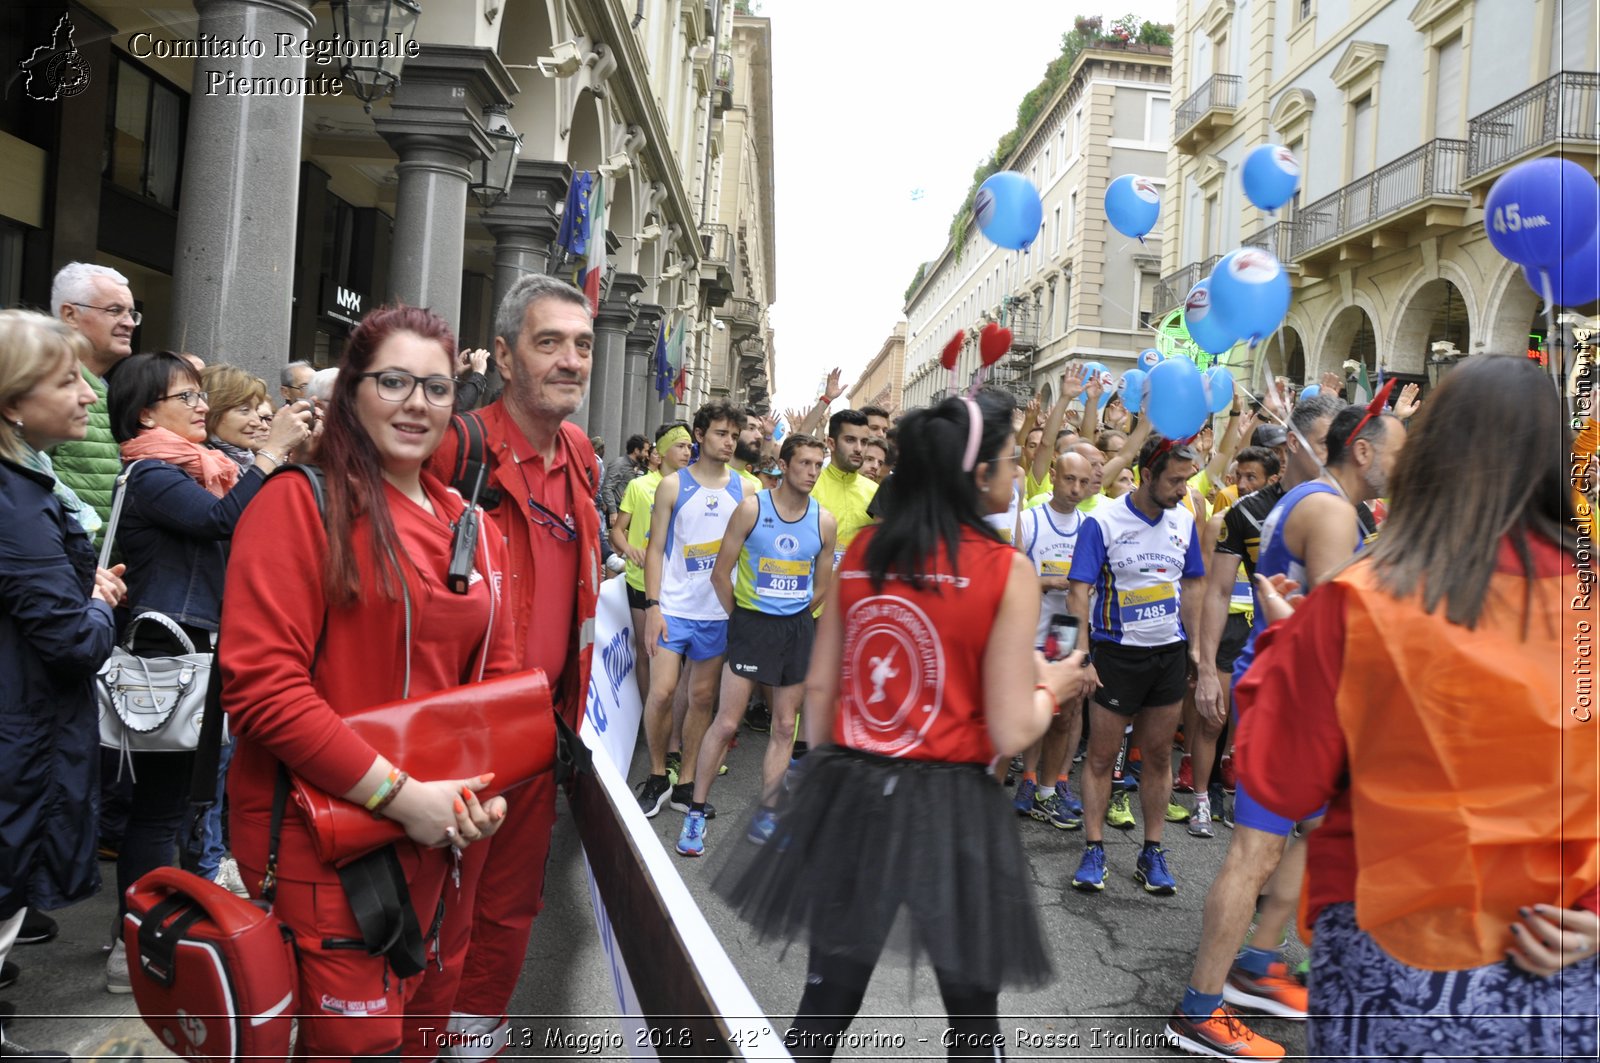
column 375, row 1006
column 893, row 676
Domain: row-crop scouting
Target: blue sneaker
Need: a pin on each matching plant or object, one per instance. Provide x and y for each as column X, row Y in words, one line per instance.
column 762, row 826
column 1069, row 800
column 692, row 839
column 1151, row 872
column 1091, row 873
column 1051, row 810
column 1022, row 800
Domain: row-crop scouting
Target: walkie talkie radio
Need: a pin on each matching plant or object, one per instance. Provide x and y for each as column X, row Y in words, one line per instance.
column 465, row 542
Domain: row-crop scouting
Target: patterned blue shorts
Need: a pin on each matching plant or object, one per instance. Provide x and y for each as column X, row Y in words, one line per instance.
column 1367, row 1005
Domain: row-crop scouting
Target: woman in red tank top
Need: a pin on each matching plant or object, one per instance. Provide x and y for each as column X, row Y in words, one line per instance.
column 923, row 674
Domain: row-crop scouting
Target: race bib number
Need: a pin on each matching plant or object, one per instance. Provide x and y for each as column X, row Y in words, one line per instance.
column 776, row 578
column 701, row 557
column 838, row 558
column 1147, row 603
column 1055, row 568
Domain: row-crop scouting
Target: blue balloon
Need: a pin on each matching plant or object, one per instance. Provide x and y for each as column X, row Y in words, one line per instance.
column 1271, row 176
column 1539, row 210
column 1149, row 358
column 1219, row 385
column 1131, row 388
column 1176, row 404
column 1205, row 325
column 1132, row 205
column 1310, row 391
column 1575, row 282
column 1107, row 381
column 779, row 431
column 1008, row 210
column 1250, row 292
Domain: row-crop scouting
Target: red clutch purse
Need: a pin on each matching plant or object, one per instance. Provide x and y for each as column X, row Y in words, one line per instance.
column 505, row 725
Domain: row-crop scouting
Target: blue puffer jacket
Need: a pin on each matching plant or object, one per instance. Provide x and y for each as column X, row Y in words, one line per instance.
column 174, row 536
column 53, row 639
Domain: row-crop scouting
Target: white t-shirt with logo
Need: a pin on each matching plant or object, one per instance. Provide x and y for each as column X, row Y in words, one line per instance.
column 700, row 516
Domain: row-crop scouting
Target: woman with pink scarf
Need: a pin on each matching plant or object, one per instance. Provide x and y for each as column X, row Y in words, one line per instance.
column 181, row 501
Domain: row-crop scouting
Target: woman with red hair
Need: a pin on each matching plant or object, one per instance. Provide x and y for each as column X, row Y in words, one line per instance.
column 336, row 610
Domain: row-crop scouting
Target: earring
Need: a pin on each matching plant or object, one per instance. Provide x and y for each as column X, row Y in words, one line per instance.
column 16, row 425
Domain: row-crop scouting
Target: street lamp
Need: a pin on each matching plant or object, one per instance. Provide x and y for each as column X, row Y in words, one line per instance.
column 376, row 34
column 492, row 175
column 1442, row 358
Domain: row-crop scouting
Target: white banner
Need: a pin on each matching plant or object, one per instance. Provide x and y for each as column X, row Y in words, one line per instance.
column 611, row 730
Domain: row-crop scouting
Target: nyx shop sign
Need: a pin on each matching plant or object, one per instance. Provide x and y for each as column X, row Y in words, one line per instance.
column 343, row 304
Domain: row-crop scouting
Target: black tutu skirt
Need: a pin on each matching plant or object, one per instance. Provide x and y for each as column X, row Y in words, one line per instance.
column 863, row 838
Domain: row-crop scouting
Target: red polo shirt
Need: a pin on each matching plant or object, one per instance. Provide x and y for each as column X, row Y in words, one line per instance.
column 552, row 559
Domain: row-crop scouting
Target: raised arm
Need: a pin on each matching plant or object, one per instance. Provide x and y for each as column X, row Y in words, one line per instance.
column 1071, row 388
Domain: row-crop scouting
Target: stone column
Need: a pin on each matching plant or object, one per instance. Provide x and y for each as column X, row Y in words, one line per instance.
column 435, row 126
column 639, row 385
column 524, row 223
column 606, row 383
column 234, row 272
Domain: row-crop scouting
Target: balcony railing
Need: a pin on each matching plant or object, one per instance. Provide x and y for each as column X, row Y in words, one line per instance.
column 1432, row 171
column 722, row 81
column 1565, row 107
column 1219, row 92
column 1171, row 289
column 743, row 315
column 715, row 242
column 1277, row 238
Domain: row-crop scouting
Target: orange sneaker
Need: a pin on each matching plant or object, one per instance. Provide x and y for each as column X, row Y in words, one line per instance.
column 1224, row 1035
column 1278, row 992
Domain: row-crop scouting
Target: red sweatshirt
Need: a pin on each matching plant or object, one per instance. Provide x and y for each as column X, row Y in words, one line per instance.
column 273, row 614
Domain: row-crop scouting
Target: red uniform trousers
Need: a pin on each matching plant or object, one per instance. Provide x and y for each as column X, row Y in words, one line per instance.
column 502, row 890
column 351, row 1004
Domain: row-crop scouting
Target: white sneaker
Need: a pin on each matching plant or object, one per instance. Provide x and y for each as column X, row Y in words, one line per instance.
column 228, row 877
column 117, row 980
column 1200, row 824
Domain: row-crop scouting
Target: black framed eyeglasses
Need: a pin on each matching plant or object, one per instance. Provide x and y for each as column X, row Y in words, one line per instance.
column 117, row 312
column 396, row 385
column 562, row 528
column 191, row 399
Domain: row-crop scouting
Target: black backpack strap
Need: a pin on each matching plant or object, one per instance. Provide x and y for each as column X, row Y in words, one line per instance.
column 472, row 454
column 375, row 886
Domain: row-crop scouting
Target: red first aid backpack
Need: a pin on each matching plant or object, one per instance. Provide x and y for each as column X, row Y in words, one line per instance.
column 214, row 975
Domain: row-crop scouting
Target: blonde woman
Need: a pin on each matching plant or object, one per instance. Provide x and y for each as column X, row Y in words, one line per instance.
column 55, row 632
column 233, row 420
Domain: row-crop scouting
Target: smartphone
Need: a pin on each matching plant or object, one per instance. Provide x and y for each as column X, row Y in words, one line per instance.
column 1062, row 638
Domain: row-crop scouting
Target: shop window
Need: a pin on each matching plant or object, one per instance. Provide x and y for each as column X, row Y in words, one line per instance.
column 145, row 127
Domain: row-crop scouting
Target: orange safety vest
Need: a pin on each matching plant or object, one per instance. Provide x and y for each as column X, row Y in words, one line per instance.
column 1473, row 782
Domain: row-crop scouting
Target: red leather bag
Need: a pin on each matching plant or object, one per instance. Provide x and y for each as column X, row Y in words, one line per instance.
column 214, row 975
column 505, row 725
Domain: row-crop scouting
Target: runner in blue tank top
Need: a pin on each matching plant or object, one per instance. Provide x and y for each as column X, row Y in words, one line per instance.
column 1312, row 531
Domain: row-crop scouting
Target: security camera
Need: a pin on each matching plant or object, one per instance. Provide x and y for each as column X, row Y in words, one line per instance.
column 717, row 324
column 562, row 62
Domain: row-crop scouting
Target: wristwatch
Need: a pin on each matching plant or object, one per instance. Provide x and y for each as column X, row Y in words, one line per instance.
column 649, row 602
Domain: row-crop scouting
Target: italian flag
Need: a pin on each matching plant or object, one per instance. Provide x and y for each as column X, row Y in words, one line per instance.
column 594, row 265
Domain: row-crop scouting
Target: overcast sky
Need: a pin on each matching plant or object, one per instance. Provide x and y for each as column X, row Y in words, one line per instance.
column 883, row 108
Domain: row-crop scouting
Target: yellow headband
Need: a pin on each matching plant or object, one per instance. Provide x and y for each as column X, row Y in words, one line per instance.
column 678, row 435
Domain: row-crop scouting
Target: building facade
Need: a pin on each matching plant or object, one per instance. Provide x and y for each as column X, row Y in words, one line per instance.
column 1082, row 290
column 259, row 208
column 880, row 383
column 1402, row 114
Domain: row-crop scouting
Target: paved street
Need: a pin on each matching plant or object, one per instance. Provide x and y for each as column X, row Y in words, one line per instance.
column 1121, row 957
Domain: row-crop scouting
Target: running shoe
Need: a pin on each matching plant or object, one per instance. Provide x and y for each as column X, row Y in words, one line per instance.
column 1014, row 769
column 1200, row 825
column 683, row 795
column 759, row 719
column 762, row 827
column 1119, row 813
column 1223, row 1035
column 1069, row 800
column 1151, row 872
column 1225, row 769
column 674, row 762
column 1022, row 800
column 1184, row 784
column 37, row 928
column 1091, row 873
column 117, row 979
column 692, row 839
column 1277, row 992
column 653, row 793
column 1176, row 813
column 1056, row 813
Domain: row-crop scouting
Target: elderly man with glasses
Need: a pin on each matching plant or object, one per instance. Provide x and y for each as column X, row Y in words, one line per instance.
column 293, row 380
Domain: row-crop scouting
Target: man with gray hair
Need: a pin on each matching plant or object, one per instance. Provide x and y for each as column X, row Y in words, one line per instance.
column 544, row 472
column 96, row 301
column 292, row 380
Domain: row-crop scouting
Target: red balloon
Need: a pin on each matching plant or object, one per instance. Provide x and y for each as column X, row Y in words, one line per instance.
column 994, row 343
column 952, row 350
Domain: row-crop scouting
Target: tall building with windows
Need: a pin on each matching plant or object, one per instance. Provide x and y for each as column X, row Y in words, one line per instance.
column 880, row 382
column 1082, row 290
column 1402, row 114
column 259, row 208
